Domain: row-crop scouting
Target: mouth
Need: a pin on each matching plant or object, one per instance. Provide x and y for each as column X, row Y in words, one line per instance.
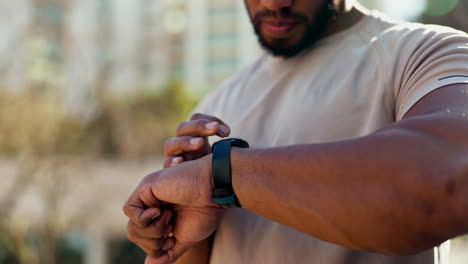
column 279, row 29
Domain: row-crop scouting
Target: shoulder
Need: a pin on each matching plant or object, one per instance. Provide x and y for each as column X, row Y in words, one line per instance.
column 420, row 31
column 416, row 37
column 407, row 48
column 414, row 58
column 419, row 59
column 389, row 34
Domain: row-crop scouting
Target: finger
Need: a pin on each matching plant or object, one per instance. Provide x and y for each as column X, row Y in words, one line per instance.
column 171, row 161
column 203, row 128
column 168, row 244
column 170, row 256
column 199, row 116
column 178, row 145
column 154, row 253
column 150, row 213
column 136, row 207
column 152, row 246
column 157, row 257
column 147, row 195
column 168, row 231
column 182, row 145
column 133, row 209
column 161, row 225
column 153, row 260
column 142, row 217
column 150, row 231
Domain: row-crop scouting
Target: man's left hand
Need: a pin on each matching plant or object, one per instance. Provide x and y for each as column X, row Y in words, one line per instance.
column 188, row 188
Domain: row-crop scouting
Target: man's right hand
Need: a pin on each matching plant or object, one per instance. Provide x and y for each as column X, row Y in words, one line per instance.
column 190, row 143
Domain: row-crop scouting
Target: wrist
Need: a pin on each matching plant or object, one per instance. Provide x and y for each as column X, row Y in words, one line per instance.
column 239, row 170
column 206, row 180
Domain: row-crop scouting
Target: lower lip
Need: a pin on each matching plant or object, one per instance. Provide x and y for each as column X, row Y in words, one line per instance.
column 279, row 30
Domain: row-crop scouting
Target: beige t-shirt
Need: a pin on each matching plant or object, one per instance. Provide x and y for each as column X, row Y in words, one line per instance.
column 349, row 85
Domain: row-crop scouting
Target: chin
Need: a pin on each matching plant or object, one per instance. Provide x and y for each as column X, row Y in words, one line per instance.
column 281, row 48
column 281, row 43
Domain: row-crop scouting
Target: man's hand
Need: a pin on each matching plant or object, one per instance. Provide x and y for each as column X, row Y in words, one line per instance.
column 152, row 238
column 186, row 186
column 190, row 143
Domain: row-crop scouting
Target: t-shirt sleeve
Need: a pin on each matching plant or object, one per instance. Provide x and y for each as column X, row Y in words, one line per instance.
column 435, row 57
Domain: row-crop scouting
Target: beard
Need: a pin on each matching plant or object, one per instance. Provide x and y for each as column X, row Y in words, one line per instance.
column 314, row 29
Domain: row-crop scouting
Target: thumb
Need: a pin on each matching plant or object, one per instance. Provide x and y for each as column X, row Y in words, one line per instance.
column 150, row 260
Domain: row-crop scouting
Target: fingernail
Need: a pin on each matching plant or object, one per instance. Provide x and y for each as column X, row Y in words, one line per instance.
column 195, row 141
column 177, row 160
column 224, row 129
column 211, row 126
column 171, row 234
column 168, row 231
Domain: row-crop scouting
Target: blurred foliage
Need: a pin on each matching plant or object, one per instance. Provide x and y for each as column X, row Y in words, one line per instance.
column 46, row 140
column 129, row 127
column 122, row 251
column 447, row 13
column 439, row 8
column 137, row 126
column 65, row 254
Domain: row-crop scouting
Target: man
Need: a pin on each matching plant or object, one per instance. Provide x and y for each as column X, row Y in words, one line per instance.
column 358, row 128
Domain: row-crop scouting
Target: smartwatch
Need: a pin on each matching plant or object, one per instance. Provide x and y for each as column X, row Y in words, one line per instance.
column 221, row 172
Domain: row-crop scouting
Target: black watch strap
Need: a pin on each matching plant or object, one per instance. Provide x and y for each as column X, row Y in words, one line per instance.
column 221, row 171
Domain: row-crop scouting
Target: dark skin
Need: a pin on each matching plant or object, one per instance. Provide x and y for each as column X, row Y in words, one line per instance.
column 156, row 238
column 410, row 176
column 404, row 186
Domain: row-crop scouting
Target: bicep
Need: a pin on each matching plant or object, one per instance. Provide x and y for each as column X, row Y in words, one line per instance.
column 450, row 100
column 442, row 116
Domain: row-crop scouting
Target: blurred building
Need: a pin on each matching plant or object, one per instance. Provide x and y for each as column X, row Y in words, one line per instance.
column 115, row 45
column 88, row 214
column 219, row 41
column 87, row 46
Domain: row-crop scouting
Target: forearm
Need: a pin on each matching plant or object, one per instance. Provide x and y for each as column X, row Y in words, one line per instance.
column 199, row 254
column 391, row 192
